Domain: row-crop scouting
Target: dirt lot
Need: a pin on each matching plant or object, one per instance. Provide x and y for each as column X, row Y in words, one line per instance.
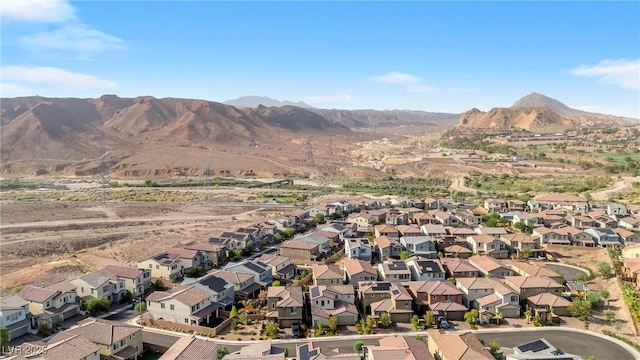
column 590, row 258
column 66, row 240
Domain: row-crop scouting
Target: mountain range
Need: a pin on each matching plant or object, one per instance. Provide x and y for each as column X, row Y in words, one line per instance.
column 255, row 101
column 68, row 134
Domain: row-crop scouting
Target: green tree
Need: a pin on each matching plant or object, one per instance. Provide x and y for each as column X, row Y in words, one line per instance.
column 357, row 346
column 471, row 316
column 498, row 316
column 17, row 289
column 234, row 325
column 580, row 308
column 429, row 318
column 159, row 285
column 4, row 338
column 385, row 320
column 234, row 311
column 604, row 268
column 222, row 351
column 610, row 315
column 319, row 219
column 404, row 255
column 526, row 252
column 277, row 238
column 289, row 232
column 276, row 283
column 126, row 297
column 494, row 347
column 415, row 321
column 321, row 329
column 249, row 248
column 140, row 307
column 271, row 330
column 332, row 323
column 43, row 328
column 96, row 305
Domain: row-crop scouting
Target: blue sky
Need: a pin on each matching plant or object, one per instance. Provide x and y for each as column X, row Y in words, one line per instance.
column 434, row 56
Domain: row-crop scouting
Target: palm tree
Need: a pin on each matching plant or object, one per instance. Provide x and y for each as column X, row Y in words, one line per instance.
column 498, row 316
column 527, row 314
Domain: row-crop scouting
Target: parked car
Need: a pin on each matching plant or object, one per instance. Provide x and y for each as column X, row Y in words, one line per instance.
column 443, row 323
column 295, row 331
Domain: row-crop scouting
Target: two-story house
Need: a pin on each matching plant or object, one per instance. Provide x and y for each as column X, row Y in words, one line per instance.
column 489, row 296
column 631, row 223
column 394, row 270
column 15, row 316
column 358, row 248
column 377, row 297
column 426, row 269
column 409, row 231
column 552, row 236
column 527, row 286
column 434, row 230
column 468, row 218
column 215, row 253
column 440, row 297
column 281, row 266
column 604, row 237
column 190, row 304
column 333, row 300
column 100, row 284
column 385, row 230
column 488, row 245
column 627, row 237
column 62, row 346
column 356, row 270
column 456, row 346
column 136, row 280
column 261, row 271
column 457, row 251
column 222, row 291
column 387, row 247
column 327, row 275
column 322, row 240
column 495, row 205
column 444, row 218
column 420, row 245
column 456, row 268
column 516, row 243
column 163, row 265
column 244, row 285
column 523, row 268
column 116, row 340
column 364, row 221
column 285, row 305
column 300, row 252
column 490, row 267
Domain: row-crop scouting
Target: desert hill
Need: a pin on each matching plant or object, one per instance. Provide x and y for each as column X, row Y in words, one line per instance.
column 66, row 134
column 536, row 112
column 388, row 118
column 255, row 101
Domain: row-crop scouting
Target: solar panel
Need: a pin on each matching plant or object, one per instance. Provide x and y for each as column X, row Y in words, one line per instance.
column 396, row 292
column 315, row 292
column 534, row 346
column 382, row 286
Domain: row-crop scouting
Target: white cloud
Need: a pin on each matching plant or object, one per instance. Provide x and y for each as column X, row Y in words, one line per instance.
column 51, row 76
column 80, row 40
column 420, row 88
column 622, row 72
column 329, row 99
column 43, row 11
column 14, row 90
column 627, row 111
column 394, row 77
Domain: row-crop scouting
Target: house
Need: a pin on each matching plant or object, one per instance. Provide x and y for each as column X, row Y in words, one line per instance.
column 409, row 230
column 439, row 296
column 528, row 286
column 394, row 270
column 434, row 230
column 539, row 349
column 50, row 305
column 516, row 205
column 136, row 280
column 630, row 223
column 62, row 346
column 495, row 205
column 523, row 268
column 100, row 284
column 490, row 267
column 521, row 243
column 431, row 204
column 631, row 270
column 631, row 252
column 420, row 245
column 327, row 275
column 377, row 297
column 456, row 268
column 426, row 270
column 190, row 259
column 604, row 237
column 468, row 218
column 244, row 285
column 456, row 346
column 281, row 266
column 322, row 240
column 489, row 296
column 627, row 237
column 552, row 236
column 364, row 221
column 603, row 221
column 311, row 351
column 215, row 253
column 492, row 231
column 398, row 347
column 396, row 217
column 262, row 350
column 285, row 305
column 191, row 305
column 15, row 316
column 385, row 230
column 545, row 304
column 554, row 201
column 163, row 265
column 260, row 270
column 577, row 237
column 529, row 219
column 358, row 248
column 222, row 291
column 343, row 230
column 333, row 300
column 457, row 251
column 116, row 340
column 387, row 247
column 488, row 245
column 356, row 270
column 190, row 347
column 300, row 252
column 444, row 217
column 422, row 218
column 459, row 232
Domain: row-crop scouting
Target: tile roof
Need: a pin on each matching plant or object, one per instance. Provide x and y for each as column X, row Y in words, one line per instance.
column 457, row 249
column 547, row 299
column 322, row 271
column 104, row 331
column 527, row 282
column 534, row 270
column 69, row 347
column 63, row 286
column 459, row 346
column 12, row 302
column 357, row 266
column 37, row 294
column 97, row 278
column 485, row 263
column 187, row 295
column 480, row 283
column 125, row 272
column 458, row 265
column 298, row 244
column 190, row 348
column 235, row 278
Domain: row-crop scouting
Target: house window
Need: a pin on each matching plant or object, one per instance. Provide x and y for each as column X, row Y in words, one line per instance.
column 294, row 310
column 186, row 321
column 157, row 267
column 82, row 289
column 172, row 307
column 121, row 342
column 161, row 305
column 151, row 266
column 514, row 298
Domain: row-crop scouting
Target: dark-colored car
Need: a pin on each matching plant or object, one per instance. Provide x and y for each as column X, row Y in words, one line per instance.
column 443, row 323
column 295, row 331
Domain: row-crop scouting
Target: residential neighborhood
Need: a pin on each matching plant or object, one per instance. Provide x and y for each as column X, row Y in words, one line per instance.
column 373, row 266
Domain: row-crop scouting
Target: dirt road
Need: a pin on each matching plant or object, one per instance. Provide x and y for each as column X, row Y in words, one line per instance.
column 619, row 186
